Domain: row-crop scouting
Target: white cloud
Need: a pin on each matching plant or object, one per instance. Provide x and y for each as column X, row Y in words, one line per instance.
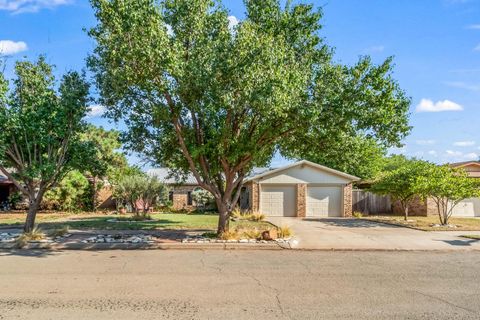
column 457, row 155
column 471, row 156
column 96, row 110
column 464, row 143
column 474, row 26
column 21, row 6
column 463, row 85
column 8, row 47
column 432, row 153
column 232, row 22
column 425, row 142
column 451, row 153
column 427, row 105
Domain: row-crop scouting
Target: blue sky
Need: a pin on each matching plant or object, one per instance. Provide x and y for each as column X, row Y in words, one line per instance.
column 436, row 45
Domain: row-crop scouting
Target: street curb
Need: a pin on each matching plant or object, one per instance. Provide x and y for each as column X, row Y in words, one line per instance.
column 143, row 246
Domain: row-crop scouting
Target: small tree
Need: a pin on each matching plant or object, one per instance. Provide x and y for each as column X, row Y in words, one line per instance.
column 402, row 183
column 151, row 190
column 140, row 190
column 40, row 130
column 447, row 186
column 202, row 198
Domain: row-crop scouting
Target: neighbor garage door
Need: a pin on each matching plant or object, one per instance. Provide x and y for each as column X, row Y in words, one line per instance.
column 467, row 208
column 324, row 201
column 278, row 201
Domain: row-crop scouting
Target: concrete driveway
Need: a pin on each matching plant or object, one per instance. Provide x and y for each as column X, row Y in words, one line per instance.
column 358, row 234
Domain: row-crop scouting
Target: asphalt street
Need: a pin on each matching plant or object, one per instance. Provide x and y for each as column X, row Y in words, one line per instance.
column 181, row 284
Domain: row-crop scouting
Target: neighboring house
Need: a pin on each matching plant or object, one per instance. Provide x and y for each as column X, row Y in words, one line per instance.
column 6, row 188
column 181, row 188
column 301, row 189
column 466, row 208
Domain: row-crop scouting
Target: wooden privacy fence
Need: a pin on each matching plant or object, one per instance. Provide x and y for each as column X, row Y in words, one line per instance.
column 370, row 203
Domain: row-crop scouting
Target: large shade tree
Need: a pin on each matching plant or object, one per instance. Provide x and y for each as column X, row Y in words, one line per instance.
column 201, row 95
column 40, row 126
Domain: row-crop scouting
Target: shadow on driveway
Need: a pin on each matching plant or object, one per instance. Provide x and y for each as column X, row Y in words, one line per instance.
column 460, row 243
column 40, row 253
column 349, row 223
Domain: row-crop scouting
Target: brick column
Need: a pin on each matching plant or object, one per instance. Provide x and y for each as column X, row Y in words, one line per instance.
column 255, row 196
column 301, row 200
column 347, row 200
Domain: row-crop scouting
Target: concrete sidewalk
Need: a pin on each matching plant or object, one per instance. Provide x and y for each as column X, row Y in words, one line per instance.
column 358, row 234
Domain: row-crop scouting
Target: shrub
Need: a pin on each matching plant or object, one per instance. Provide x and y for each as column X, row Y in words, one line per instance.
column 284, row 232
column 59, row 232
column 256, row 216
column 357, row 214
column 71, row 194
column 230, row 235
column 202, row 198
column 250, row 233
column 237, row 213
column 35, row 234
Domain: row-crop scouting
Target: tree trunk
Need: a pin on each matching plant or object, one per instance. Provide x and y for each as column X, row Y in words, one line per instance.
column 406, row 212
column 223, row 217
column 32, row 211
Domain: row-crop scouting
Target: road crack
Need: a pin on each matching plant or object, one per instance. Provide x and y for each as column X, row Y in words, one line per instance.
column 444, row 301
column 274, row 290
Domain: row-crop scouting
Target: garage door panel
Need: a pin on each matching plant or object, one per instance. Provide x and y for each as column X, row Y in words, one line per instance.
column 278, row 201
column 324, row 201
column 467, row 208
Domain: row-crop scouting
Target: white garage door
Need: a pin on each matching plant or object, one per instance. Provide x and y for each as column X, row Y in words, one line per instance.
column 467, row 208
column 278, row 201
column 324, row 202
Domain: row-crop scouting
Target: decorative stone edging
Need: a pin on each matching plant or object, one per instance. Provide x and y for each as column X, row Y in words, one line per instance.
column 120, row 238
column 201, row 239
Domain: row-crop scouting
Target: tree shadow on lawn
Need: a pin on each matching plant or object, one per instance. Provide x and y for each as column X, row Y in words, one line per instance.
column 102, row 223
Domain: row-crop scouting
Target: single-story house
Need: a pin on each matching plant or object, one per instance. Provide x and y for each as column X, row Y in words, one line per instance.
column 301, row 189
column 466, row 208
column 181, row 188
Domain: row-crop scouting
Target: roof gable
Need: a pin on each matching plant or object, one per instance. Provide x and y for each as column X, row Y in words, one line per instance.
column 304, row 172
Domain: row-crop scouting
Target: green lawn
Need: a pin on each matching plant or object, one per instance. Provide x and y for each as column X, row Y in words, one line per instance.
column 426, row 223
column 175, row 221
column 471, row 236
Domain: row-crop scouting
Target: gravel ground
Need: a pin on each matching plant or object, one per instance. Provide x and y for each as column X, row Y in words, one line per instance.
column 239, row 285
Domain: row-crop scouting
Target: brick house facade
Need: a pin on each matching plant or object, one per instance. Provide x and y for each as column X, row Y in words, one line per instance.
column 301, row 177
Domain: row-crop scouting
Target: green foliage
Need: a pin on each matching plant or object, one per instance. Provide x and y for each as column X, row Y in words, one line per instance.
column 198, row 96
column 71, row 194
column 140, row 190
column 202, row 198
column 40, row 129
column 447, row 186
column 111, row 162
column 360, row 156
column 403, row 182
column 357, row 214
column 14, row 199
